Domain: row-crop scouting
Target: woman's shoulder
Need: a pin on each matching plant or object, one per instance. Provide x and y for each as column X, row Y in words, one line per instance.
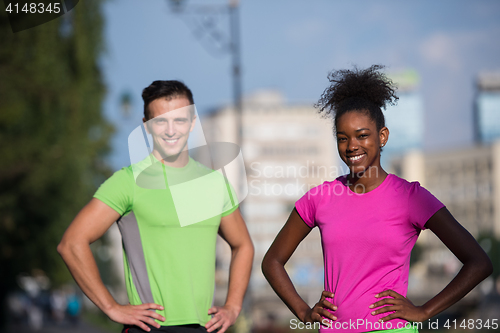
column 326, row 187
column 339, row 181
column 404, row 186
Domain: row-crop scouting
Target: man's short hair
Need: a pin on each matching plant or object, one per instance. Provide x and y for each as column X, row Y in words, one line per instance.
column 164, row 89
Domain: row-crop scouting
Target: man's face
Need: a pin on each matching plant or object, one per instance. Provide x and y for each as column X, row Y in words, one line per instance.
column 170, row 124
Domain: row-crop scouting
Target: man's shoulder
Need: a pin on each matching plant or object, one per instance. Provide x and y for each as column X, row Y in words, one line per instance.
column 123, row 174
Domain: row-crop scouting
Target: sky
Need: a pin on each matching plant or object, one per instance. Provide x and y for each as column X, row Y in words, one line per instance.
column 292, row 45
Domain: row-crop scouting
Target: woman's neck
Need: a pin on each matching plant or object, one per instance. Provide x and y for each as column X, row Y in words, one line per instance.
column 367, row 181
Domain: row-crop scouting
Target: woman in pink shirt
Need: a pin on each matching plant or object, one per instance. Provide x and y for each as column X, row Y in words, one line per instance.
column 369, row 222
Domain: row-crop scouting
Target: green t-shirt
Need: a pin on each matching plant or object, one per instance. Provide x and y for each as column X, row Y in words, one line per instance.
column 169, row 223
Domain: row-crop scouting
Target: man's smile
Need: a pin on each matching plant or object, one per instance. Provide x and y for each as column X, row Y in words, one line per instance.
column 170, row 142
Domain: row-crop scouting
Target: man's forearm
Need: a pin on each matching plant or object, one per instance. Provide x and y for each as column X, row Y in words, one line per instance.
column 81, row 264
column 239, row 274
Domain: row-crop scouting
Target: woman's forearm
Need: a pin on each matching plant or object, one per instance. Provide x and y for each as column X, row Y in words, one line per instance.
column 471, row 274
column 273, row 264
column 477, row 264
column 279, row 280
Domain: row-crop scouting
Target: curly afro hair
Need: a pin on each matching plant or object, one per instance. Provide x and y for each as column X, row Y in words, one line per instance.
column 365, row 90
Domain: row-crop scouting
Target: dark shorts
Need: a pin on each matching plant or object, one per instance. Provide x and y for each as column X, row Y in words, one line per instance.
column 193, row 328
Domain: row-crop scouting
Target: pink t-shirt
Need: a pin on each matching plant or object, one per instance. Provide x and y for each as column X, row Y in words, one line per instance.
column 367, row 240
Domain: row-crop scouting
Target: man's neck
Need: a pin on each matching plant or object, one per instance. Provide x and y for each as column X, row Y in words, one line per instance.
column 177, row 161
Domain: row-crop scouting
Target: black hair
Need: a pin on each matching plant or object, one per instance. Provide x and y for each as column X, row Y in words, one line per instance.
column 164, row 89
column 363, row 90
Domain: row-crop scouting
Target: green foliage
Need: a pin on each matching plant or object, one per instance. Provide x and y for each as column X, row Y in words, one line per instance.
column 416, row 253
column 53, row 137
column 491, row 245
column 100, row 320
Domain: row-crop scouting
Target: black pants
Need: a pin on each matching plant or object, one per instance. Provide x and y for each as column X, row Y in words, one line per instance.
column 193, row 328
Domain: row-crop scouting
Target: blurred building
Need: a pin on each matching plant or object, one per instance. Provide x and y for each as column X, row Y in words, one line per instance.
column 287, row 149
column 487, row 108
column 405, row 120
column 467, row 181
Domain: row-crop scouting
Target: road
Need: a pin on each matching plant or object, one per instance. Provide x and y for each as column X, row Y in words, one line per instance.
column 82, row 327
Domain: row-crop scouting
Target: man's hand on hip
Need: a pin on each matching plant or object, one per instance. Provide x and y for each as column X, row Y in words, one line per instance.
column 223, row 317
column 136, row 315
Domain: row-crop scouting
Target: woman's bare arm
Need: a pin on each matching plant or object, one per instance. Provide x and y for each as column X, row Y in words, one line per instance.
column 273, row 267
column 476, row 267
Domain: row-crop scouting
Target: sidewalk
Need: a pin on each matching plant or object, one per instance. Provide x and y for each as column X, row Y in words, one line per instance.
column 82, row 327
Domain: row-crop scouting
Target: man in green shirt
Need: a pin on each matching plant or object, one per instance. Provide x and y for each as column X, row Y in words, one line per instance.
column 169, row 209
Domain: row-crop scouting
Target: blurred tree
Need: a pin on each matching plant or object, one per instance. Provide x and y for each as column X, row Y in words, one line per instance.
column 416, row 254
column 53, row 137
column 491, row 245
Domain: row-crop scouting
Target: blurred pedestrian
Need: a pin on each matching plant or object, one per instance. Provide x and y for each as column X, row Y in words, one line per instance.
column 73, row 308
column 58, row 305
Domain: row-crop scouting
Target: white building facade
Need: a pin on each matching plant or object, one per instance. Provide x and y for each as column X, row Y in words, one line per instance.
column 288, row 149
column 467, row 181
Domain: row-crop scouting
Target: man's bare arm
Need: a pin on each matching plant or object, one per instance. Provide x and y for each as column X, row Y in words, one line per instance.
column 234, row 231
column 88, row 226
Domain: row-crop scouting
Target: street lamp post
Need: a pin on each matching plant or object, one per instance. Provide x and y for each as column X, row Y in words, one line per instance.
column 210, row 30
column 232, row 46
column 236, row 59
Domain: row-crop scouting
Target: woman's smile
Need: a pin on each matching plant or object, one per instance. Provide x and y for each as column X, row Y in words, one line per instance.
column 356, row 159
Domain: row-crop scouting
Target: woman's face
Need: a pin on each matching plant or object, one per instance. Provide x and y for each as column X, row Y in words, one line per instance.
column 359, row 142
